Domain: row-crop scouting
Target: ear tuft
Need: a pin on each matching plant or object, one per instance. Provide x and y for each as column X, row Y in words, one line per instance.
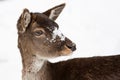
column 54, row 12
column 24, row 21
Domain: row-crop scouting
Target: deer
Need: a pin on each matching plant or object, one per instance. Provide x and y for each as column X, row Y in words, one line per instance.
column 40, row 39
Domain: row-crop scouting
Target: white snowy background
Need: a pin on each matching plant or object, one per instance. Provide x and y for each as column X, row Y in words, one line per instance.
column 94, row 25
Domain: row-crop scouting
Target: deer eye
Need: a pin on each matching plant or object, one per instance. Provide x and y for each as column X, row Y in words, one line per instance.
column 38, row 33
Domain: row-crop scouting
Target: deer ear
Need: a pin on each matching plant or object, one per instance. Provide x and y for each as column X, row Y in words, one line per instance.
column 54, row 12
column 24, row 21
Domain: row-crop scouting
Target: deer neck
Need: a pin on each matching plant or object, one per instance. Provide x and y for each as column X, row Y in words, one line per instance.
column 34, row 68
column 33, row 64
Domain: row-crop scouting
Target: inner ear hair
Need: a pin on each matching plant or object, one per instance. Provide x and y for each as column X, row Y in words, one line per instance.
column 24, row 21
column 54, row 12
column 26, row 17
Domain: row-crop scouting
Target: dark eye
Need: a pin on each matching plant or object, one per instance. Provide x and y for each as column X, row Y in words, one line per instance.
column 38, row 33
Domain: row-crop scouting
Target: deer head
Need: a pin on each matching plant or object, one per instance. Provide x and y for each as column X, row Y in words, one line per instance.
column 39, row 35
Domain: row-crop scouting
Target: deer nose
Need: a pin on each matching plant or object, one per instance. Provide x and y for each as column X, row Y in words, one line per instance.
column 71, row 46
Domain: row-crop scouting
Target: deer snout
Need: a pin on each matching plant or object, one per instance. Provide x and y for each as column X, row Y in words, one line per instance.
column 70, row 44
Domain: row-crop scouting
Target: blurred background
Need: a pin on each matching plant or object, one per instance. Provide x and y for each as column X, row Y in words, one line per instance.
column 94, row 25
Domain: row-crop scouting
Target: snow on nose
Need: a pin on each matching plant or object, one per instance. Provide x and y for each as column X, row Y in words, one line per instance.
column 56, row 33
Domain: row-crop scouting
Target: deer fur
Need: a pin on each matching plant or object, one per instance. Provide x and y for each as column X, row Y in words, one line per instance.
column 40, row 39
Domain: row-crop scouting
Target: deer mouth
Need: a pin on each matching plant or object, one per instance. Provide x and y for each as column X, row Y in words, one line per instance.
column 68, row 49
column 72, row 46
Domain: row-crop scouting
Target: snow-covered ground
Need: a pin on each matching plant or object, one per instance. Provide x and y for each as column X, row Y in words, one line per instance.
column 94, row 25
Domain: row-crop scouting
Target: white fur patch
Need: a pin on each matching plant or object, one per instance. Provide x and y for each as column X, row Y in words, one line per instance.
column 33, row 69
column 36, row 65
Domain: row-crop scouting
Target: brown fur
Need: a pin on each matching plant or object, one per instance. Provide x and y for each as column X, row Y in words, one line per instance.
column 94, row 68
column 38, row 42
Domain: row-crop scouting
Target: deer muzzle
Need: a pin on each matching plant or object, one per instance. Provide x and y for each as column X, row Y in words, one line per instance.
column 70, row 44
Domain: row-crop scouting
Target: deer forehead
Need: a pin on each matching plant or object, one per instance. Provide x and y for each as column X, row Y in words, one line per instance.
column 41, row 20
